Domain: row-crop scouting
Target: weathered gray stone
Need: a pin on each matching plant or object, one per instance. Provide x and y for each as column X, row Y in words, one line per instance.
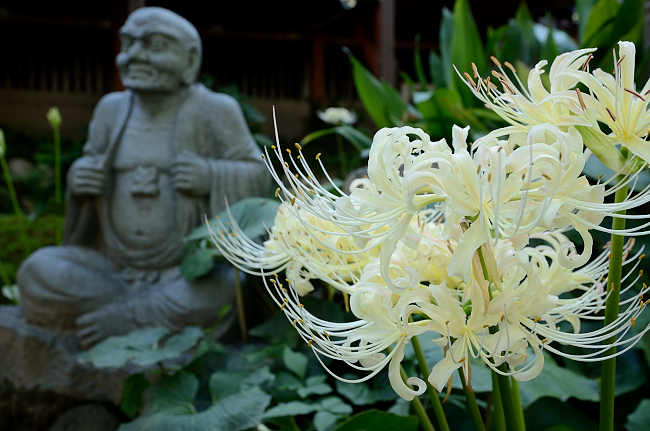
column 37, row 360
column 86, row 417
column 159, row 156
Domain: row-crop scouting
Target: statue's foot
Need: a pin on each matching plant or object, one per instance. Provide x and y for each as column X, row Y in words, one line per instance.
column 96, row 325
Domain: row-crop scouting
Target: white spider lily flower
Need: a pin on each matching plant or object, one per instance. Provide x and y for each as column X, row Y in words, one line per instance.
column 337, row 116
column 384, row 326
column 524, row 107
column 304, row 253
column 615, row 101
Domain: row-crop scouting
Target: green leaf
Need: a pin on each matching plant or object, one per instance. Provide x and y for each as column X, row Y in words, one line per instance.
column 436, row 69
column 141, row 347
column 446, row 34
column 560, row 383
column 292, row 408
column 250, row 214
column 324, row 421
column 335, row 405
column 236, row 412
column 132, row 391
column 419, row 70
column 466, row 48
column 295, row 361
column 117, row 351
column 600, row 24
column 315, row 385
column 357, row 138
column 175, row 393
column 359, row 394
column 583, row 8
column 197, row 261
column 640, row 417
column 224, row 383
column 382, row 102
column 549, row 49
column 377, row 420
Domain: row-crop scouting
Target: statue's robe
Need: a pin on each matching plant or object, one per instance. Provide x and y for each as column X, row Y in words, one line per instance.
column 137, row 286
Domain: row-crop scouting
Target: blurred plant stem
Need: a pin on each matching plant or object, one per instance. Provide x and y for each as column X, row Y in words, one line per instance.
column 14, row 202
column 608, row 369
column 474, row 412
column 433, row 394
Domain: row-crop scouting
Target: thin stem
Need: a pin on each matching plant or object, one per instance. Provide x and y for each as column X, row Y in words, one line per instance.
column 474, row 412
column 241, row 315
column 342, row 161
column 57, row 175
column 608, row 370
column 517, row 399
column 508, row 402
column 425, row 421
column 14, row 202
column 433, row 394
column 499, row 417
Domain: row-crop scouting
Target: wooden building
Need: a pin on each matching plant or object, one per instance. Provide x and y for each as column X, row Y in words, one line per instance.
column 282, row 53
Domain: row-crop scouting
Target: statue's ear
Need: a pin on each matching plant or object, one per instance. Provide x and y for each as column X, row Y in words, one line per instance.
column 193, row 66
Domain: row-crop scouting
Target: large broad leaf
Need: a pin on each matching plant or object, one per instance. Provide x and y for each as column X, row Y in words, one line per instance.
column 466, row 48
column 377, row 420
column 224, row 383
column 239, row 411
column 141, row 347
column 295, row 361
column 560, row 383
column 640, row 417
column 600, row 24
column 250, row 214
column 446, row 34
column 584, row 8
column 382, row 102
column 549, row 412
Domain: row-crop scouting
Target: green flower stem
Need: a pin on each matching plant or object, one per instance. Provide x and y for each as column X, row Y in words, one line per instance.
column 425, row 421
column 474, row 412
column 433, row 394
column 498, row 415
column 507, row 401
column 608, row 370
column 58, row 194
column 342, row 162
column 514, row 416
column 517, row 399
column 4, row 276
column 14, row 201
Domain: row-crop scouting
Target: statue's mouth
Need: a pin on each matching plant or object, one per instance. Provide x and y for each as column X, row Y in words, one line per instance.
column 139, row 71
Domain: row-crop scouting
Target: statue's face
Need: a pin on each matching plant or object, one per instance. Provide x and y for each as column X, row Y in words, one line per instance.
column 153, row 56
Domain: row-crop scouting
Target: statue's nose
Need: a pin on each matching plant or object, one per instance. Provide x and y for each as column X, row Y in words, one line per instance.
column 137, row 51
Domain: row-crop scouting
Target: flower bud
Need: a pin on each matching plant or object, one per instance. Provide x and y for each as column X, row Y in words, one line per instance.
column 54, row 117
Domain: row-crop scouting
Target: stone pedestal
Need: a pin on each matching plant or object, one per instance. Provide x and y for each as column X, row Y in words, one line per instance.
column 35, row 359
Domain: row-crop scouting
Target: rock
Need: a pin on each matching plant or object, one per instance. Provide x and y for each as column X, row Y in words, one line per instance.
column 87, row 417
column 36, row 359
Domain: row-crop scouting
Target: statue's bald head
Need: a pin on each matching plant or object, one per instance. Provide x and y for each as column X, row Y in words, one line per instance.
column 158, row 29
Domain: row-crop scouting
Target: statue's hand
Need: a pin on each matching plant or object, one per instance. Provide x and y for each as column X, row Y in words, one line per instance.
column 89, row 178
column 191, row 174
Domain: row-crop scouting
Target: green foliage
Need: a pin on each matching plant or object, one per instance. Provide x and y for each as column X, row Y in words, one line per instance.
column 40, row 232
column 377, row 420
column 640, row 418
column 141, row 347
column 252, row 215
column 560, row 383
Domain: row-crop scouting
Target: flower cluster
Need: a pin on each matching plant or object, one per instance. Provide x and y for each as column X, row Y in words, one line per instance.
column 465, row 244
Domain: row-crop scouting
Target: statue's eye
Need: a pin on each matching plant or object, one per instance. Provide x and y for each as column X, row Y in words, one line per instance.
column 157, row 43
column 126, row 42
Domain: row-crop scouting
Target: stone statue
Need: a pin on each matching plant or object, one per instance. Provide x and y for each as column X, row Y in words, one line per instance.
column 159, row 156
